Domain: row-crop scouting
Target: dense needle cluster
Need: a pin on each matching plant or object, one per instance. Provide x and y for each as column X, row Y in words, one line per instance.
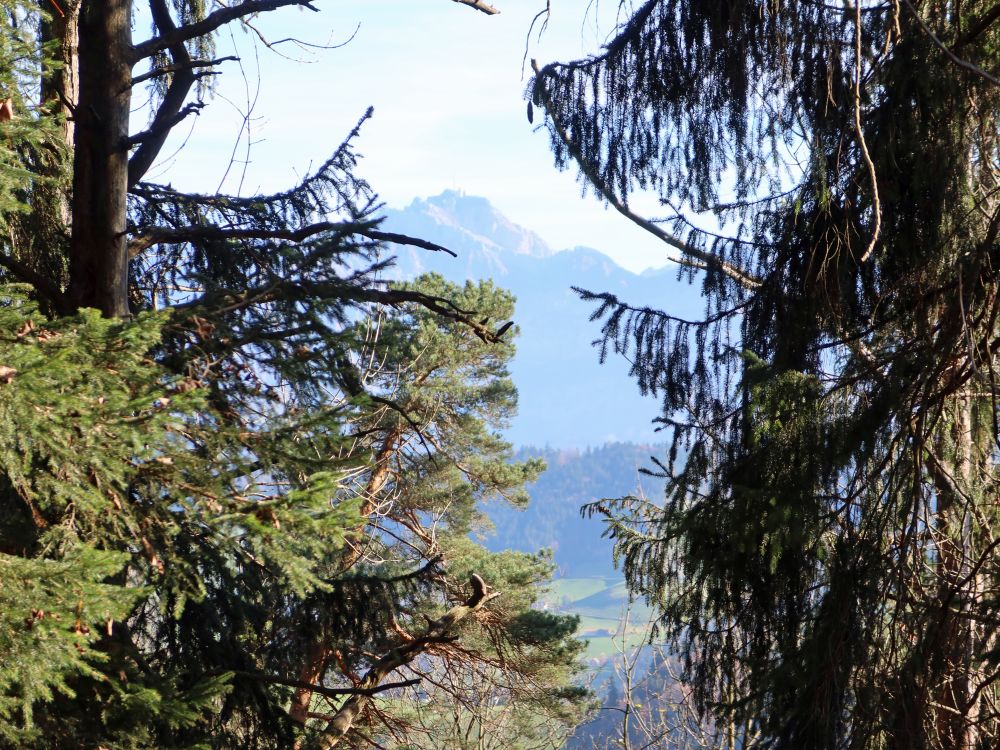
column 825, row 556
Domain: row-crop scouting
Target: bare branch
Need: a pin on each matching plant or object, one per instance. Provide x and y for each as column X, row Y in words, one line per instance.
column 330, row 692
column 170, row 69
column 172, row 109
column 479, row 5
column 210, row 23
column 161, row 128
column 438, row 631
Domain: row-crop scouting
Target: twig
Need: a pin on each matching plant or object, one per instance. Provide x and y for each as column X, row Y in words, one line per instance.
column 169, row 69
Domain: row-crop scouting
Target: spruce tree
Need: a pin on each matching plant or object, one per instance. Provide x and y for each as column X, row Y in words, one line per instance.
column 199, row 441
column 824, row 559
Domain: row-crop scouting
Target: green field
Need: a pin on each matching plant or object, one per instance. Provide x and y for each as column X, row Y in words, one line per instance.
column 601, row 604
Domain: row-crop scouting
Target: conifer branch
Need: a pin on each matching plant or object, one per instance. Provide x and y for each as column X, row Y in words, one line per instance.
column 165, row 235
column 42, row 284
column 701, row 259
column 288, row 289
column 959, row 61
column 978, row 26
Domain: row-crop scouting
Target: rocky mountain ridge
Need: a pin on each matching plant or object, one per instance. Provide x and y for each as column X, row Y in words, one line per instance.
column 567, row 399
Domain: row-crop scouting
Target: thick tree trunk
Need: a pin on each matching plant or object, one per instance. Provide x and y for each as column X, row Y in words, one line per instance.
column 98, row 255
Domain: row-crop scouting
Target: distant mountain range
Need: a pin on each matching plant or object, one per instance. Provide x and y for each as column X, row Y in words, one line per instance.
column 567, row 399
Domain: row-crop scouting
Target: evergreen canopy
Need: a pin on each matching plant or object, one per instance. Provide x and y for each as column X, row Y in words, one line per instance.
column 238, row 470
column 825, row 559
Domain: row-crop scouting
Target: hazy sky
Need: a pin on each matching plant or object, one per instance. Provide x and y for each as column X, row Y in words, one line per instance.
column 447, row 87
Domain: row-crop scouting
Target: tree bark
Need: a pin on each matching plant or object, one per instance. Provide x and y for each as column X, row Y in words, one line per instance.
column 319, row 651
column 954, row 673
column 98, row 255
column 61, row 86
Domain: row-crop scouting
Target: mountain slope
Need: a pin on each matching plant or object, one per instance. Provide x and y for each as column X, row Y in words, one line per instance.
column 553, row 520
column 567, row 399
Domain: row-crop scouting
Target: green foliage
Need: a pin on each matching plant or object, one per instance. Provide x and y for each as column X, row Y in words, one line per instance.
column 523, row 690
column 102, row 449
column 833, row 415
column 254, row 483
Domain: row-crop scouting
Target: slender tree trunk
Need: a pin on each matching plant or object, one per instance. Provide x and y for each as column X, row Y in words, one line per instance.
column 957, row 707
column 98, row 255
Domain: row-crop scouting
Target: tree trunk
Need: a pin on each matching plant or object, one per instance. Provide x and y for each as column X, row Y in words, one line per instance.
column 61, row 87
column 98, row 255
column 954, row 674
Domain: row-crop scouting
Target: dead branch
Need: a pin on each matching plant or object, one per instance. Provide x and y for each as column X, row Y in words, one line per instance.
column 480, row 6
column 210, row 23
column 171, row 69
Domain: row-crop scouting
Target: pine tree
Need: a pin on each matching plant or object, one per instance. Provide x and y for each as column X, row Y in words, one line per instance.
column 824, row 559
column 195, row 450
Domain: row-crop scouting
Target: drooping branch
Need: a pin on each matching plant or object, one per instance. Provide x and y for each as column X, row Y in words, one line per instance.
column 438, row 631
column 691, row 256
column 959, row 61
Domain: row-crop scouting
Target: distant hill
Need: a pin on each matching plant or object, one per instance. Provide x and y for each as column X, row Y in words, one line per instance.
column 552, row 519
column 566, row 398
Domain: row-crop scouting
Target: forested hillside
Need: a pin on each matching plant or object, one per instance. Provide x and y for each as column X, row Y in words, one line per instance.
column 553, row 518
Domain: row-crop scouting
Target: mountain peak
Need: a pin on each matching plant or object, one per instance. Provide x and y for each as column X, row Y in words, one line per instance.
column 477, row 222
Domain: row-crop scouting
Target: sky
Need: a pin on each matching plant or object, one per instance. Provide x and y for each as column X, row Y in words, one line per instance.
column 447, row 86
